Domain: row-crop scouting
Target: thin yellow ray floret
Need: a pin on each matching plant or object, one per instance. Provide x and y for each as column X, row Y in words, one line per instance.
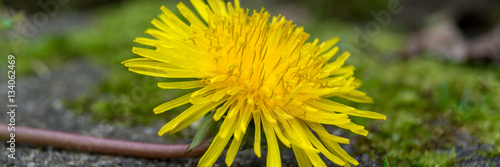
column 256, row 144
column 181, row 85
column 273, row 154
column 187, row 117
column 172, row 104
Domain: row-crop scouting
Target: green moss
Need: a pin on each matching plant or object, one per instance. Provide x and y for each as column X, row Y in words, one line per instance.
column 438, row 158
column 428, row 102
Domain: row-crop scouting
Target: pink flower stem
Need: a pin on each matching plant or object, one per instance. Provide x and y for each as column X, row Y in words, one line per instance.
column 99, row 145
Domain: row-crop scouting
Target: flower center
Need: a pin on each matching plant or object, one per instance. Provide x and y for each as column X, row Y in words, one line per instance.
column 265, row 61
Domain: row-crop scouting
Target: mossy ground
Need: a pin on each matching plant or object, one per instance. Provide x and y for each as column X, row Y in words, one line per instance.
column 429, row 103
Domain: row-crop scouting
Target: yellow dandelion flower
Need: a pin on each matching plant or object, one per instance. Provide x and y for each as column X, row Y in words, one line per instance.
column 251, row 66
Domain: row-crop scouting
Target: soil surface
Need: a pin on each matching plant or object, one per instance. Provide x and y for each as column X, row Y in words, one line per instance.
column 39, row 100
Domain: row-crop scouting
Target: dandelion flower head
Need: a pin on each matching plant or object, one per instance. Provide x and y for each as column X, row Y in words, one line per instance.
column 252, row 69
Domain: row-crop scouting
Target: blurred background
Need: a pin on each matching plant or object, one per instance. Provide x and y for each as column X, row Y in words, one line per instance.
column 432, row 67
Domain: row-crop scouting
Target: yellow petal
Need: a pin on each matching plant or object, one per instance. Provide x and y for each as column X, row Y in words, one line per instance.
column 216, row 148
column 282, row 138
column 204, row 90
column 330, row 53
column 181, row 85
column 167, row 32
column 218, row 7
column 320, row 146
column 166, row 72
column 236, row 4
column 314, row 158
column 189, row 15
column 256, row 144
column 337, row 63
column 301, row 157
column 297, row 133
column 231, row 152
column 336, row 149
column 173, row 21
column 343, row 70
column 280, row 113
column 321, row 131
column 357, row 96
column 206, row 97
column 329, row 105
column 187, row 117
column 266, row 114
column 221, row 110
column 325, row 117
column 234, row 110
column 149, row 72
column 329, row 44
column 148, row 53
column 242, row 121
column 358, row 129
column 368, row 114
column 228, row 122
column 247, row 115
column 199, row 5
column 219, row 94
column 163, row 36
column 273, row 153
column 172, row 104
column 147, row 63
column 146, row 41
